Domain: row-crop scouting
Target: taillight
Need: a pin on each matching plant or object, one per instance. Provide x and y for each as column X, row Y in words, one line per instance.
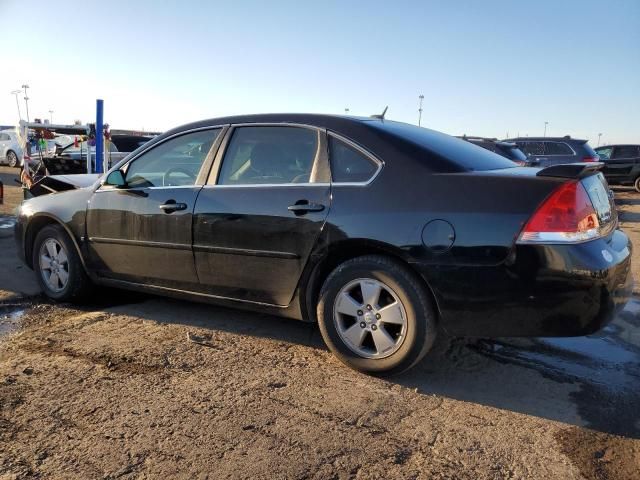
column 520, row 163
column 567, row 216
column 591, row 159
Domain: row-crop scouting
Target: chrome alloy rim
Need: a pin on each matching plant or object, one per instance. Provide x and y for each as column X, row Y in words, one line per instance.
column 370, row 318
column 54, row 265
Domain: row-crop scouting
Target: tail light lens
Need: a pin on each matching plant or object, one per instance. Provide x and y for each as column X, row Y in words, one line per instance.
column 591, row 159
column 566, row 216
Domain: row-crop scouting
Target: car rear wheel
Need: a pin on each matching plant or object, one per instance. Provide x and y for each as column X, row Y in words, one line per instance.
column 375, row 315
column 12, row 158
column 636, row 185
column 57, row 265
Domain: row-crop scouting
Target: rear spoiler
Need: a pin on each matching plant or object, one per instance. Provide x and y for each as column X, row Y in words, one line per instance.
column 571, row 170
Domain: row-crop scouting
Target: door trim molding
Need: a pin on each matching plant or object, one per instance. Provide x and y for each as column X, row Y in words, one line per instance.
column 245, row 251
column 140, row 243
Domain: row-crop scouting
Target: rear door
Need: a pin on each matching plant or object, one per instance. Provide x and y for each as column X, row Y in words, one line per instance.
column 261, row 212
column 621, row 163
column 143, row 231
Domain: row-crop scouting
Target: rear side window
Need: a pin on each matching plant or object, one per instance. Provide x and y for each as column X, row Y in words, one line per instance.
column 270, row 155
column 532, row 148
column 349, row 165
column 557, row 148
column 626, row 151
column 4, row 136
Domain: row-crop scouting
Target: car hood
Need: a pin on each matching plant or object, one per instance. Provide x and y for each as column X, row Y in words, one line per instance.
column 61, row 183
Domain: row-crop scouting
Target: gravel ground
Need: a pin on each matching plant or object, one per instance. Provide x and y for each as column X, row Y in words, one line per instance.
column 143, row 387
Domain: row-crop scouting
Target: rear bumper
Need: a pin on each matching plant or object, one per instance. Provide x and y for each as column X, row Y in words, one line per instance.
column 541, row 290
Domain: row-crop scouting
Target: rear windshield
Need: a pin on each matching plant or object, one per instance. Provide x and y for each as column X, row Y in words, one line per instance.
column 464, row 154
column 513, row 153
column 590, row 151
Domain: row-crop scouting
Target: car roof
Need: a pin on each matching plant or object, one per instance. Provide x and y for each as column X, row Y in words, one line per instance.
column 547, row 139
column 618, row 145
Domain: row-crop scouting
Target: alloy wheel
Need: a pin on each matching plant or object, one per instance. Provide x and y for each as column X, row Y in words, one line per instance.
column 370, row 318
column 54, row 265
column 12, row 159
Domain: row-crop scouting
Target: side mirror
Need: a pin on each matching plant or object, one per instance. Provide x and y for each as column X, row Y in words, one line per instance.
column 116, row 179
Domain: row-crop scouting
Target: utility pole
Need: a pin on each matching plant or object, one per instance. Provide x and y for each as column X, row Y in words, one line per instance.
column 599, row 136
column 26, row 99
column 421, row 97
column 16, row 93
column 545, row 129
column 51, row 117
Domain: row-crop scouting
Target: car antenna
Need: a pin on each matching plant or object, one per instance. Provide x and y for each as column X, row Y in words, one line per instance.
column 381, row 116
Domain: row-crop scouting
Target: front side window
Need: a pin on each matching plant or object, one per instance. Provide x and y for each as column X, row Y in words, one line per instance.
column 348, row 165
column 557, row 148
column 270, row 155
column 627, row 151
column 175, row 162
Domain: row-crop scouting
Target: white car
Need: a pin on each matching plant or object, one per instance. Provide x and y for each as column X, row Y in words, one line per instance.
column 11, row 152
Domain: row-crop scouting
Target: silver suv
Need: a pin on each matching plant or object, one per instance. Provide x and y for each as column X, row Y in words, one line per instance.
column 10, row 151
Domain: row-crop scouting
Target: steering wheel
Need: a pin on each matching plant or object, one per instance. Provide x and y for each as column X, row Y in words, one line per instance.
column 172, row 170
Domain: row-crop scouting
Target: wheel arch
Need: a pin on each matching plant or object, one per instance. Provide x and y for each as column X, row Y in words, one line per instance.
column 35, row 225
column 340, row 252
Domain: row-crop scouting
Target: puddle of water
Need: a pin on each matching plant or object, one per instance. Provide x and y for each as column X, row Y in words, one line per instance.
column 7, row 222
column 10, row 322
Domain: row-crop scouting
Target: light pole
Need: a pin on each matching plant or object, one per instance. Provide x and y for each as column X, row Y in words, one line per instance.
column 26, row 99
column 545, row 129
column 51, row 117
column 16, row 92
column 599, row 136
column 346, row 111
column 421, row 97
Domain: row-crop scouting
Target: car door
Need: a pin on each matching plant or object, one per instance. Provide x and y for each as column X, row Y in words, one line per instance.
column 621, row 163
column 4, row 145
column 261, row 212
column 142, row 231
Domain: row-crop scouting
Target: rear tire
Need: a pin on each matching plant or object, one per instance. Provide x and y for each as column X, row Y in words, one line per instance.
column 375, row 315
column 12, row 159
column 58, row 267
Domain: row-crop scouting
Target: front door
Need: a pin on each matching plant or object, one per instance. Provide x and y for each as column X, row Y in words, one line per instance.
column 621, row 162
column 141, row 232
column 259, row 216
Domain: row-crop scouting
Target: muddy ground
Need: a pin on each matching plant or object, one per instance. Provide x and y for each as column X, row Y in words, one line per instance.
column 134, row 386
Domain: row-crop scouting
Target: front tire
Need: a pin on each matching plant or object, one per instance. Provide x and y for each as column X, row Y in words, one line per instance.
column 12, row 159
column 375, row 315
column 58, row 266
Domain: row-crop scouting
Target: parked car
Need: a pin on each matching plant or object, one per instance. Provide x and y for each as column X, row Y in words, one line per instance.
column 622, row 164
column 11, row 152
column 507, row 149
column 546, row 151
column 380, row 231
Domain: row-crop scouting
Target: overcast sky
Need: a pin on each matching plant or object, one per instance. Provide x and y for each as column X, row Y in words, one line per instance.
column 484, row 67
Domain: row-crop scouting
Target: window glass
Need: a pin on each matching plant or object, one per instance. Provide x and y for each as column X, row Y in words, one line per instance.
column 604, row 153
column 175, row 162
column 533, row 148
column 4, row 136
column 626, row 151
column 348, row 164
column 269, row 155
column 557, row 148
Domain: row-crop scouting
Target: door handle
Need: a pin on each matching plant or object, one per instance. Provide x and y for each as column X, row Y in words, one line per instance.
column 171, row 206
column 303, row 206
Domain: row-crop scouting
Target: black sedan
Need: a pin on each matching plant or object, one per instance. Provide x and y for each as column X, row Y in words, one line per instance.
column 382, row 232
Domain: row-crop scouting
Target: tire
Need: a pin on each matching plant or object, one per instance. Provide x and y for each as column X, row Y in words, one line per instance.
column 636, row 185
column 12, row 159
column 410, row 327
column 64, row 261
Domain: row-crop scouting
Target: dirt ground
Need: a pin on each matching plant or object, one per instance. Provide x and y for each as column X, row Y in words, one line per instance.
column 135, row 386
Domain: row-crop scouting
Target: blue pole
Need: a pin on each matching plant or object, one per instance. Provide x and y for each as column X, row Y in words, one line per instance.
column 99, row 136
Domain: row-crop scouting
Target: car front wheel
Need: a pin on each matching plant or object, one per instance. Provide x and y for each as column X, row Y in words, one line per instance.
column 57, row 265
column 375, row 315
